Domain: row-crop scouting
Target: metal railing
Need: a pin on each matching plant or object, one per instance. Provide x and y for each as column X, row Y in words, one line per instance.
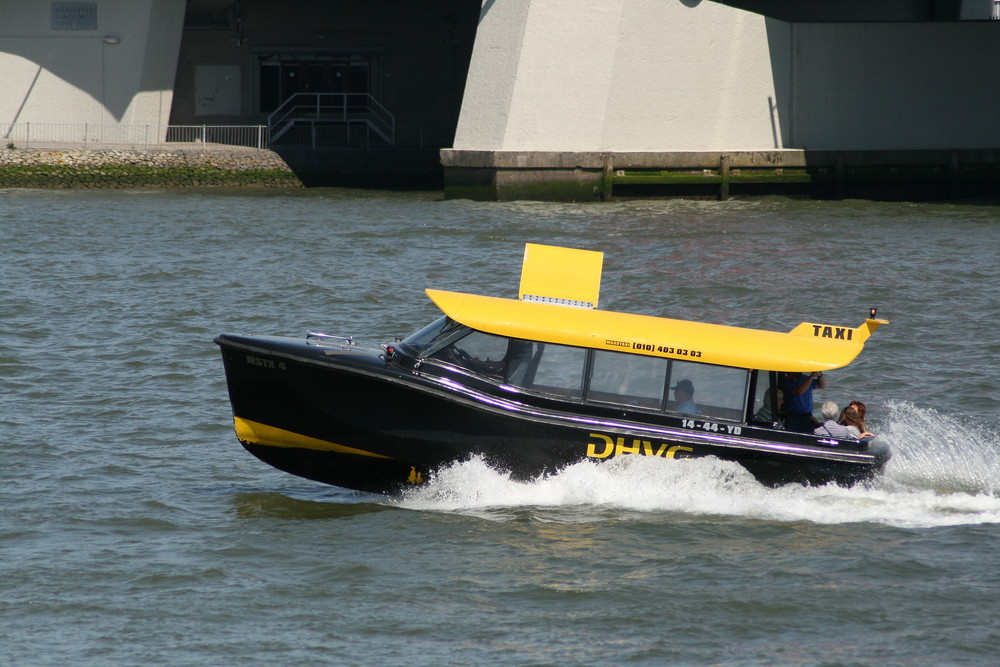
column 353, row 134
column 349, row 135
column 114, row 135
column 316, row 110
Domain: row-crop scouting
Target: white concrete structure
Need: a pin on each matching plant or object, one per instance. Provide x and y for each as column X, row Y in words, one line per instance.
column 120, row 70
column 571, row 84
column 578, row 91
column 618, row 75
column 667, row 75
column 107, row 62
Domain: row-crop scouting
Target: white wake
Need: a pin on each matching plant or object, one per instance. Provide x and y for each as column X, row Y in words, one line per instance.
column 943, row 472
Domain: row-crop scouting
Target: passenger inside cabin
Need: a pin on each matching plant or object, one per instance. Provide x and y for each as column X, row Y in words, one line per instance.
column 860, row 408
column 854, row 423
column 684, row 394
column 830, row 427
column 798, row 389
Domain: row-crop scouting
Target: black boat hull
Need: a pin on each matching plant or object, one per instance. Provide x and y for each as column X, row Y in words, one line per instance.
column 353, row 419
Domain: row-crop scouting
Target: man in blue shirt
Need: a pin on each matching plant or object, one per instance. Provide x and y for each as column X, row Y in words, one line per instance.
column 798, row 389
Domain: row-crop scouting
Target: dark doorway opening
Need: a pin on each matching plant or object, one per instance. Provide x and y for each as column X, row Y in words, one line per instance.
column 284, row 75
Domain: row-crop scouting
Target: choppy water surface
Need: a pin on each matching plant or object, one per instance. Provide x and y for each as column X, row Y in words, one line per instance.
column 135, row 529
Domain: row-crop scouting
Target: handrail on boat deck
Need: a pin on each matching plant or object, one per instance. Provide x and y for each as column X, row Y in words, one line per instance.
column 320, row 338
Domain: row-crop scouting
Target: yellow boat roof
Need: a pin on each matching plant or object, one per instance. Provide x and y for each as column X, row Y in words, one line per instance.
column 806, row 348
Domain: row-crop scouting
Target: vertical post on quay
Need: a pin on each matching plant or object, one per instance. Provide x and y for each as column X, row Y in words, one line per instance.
column 606, row 184
column 724, row 172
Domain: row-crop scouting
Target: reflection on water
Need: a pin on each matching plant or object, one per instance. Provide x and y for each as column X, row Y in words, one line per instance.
column 272, row 505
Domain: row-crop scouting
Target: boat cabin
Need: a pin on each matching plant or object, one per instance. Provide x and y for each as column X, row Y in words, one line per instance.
column 601, row 377
column 554, row 342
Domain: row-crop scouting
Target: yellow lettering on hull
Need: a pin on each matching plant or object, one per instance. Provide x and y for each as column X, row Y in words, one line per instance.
column 606, row 442
column 602, row 446
column 415, row 476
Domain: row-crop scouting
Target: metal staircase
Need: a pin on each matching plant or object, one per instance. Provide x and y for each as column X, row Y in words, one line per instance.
column 331, row 120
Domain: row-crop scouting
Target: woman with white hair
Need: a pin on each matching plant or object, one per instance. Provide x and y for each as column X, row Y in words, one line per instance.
column 830, row 427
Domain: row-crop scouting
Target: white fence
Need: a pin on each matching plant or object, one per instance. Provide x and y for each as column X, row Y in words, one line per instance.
column 351, row 135
column 111, row 135
column 144, row 137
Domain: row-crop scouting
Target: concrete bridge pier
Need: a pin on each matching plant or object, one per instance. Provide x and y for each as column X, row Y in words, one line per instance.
column 592, row 99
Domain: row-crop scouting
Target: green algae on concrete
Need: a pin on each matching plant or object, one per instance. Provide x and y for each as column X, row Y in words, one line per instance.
column 176, row 168
column 109, row 176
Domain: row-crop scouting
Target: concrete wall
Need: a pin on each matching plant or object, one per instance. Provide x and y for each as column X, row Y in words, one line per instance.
column 52, row 75
column 693, row 75
column 879, row 86
column 625, row 75
column 420, row 54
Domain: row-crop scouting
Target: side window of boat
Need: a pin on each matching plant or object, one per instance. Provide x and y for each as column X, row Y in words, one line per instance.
column 628, row 379
column 479, row 352
column 711, row 391
column 522, row 362
column 766, row 393
column 547, row 368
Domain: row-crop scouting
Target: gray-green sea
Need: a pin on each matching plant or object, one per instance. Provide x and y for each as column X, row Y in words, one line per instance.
column 136, row 531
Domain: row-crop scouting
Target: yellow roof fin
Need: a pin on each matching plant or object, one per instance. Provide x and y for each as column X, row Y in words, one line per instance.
column 563, row 276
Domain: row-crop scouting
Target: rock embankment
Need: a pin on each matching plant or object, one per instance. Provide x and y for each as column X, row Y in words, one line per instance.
column 159, row 168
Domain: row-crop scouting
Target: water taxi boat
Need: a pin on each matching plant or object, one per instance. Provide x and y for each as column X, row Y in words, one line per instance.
column 534, row 384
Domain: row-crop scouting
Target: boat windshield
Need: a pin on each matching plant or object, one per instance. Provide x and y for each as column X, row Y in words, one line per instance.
column 435, row 335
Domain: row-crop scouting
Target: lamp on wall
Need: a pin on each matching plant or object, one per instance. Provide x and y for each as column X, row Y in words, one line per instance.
column 112, row 40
